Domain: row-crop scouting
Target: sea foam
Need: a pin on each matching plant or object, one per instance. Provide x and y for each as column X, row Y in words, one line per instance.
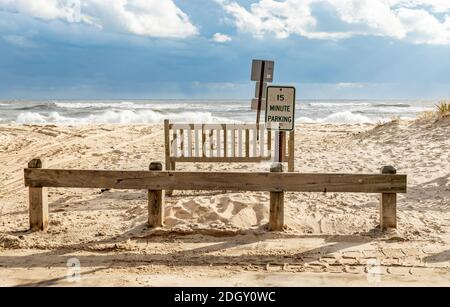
column 197, row 111
column 118, row 117
column 345, row 117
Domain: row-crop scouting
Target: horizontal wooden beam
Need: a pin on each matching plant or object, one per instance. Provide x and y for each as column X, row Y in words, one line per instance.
column 223, row 126
column 221, row 159
column 238, row 181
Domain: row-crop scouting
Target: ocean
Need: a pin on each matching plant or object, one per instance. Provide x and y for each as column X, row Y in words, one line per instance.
column 72, row 112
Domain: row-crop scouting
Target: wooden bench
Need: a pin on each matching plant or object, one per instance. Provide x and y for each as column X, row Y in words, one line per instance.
column 38, row 179
column 223, row 143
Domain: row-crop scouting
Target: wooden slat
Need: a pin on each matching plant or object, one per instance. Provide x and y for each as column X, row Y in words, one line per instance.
column 255, row 142
column 225, row 141
column 182, row 143
column 203, row 142
column 174, row 144
column 247, row 143
column 197, row 143
column 219, row 143
column 262, row 146
column 211, row 143
column 189, row 145
column 233, row 142
column 240, row 149
column 379, row 183
column 185, row 126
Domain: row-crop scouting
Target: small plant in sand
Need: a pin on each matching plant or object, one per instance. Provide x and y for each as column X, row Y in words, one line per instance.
column 427, row 115
column 393, row 121
column 443, row 108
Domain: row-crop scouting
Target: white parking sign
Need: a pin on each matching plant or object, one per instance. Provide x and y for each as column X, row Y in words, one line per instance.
column 280, row 108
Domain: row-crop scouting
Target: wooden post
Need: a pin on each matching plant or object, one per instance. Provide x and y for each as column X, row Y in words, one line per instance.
column 260, row 95
column 167, row 144
column 155, row 201
column 291, row 166
column 38, row 203
column 276, row 222
column 281, row 146
column 169, row 164
column 172, row 168
column 388, row 204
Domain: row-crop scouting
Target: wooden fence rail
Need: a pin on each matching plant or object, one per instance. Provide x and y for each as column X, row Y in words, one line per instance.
column 155, row 181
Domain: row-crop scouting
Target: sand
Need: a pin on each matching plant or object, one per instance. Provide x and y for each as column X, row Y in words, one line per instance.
column 219, row 238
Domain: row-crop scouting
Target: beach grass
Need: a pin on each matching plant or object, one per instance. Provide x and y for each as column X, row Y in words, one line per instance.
column 443, row 108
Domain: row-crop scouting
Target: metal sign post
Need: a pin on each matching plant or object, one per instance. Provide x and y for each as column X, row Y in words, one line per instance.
column 262, row 73
column 280, row 113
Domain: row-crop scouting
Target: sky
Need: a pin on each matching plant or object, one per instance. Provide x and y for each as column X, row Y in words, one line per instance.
column 202, row 49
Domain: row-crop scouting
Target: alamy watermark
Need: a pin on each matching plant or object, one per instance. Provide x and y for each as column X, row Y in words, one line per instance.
column 374, row 271
column 73, row 270
column 73, row 8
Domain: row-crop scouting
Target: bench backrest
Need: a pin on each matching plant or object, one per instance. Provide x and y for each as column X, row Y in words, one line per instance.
column 223, row 143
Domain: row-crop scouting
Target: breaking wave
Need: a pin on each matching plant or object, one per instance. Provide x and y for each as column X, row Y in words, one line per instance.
column 196, row 111
column 118, row 117
column 345, row 117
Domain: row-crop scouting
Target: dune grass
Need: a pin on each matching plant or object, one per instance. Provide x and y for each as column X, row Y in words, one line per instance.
column 443, row 108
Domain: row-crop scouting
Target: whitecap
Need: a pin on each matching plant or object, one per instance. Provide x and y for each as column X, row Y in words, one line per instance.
column 120, row 117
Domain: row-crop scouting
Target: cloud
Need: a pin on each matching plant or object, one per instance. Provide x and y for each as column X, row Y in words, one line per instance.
column 19, row 41
column 217, row 85
column 221, row 38
column 349, row 85
column 44, row 9
column 416, row 21
column 155, row 18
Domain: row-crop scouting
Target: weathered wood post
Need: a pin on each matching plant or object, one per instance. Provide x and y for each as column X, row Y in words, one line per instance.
column 388, row 204
column 169, row 164
column 276, row 220
column 167, row 143
column 291, row 161
column 155, row 201
column 38, row 202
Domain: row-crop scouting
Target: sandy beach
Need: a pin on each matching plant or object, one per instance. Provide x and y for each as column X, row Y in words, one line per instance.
column 219, row 238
